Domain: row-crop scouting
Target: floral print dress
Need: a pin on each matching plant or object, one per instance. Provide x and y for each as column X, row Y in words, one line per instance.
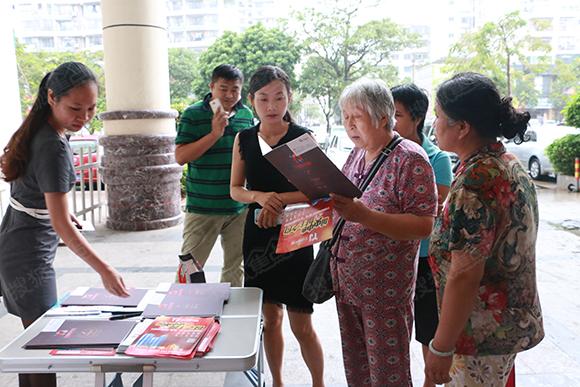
column 491, row 215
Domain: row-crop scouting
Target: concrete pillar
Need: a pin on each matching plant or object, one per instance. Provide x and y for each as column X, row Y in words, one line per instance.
column 138, row 166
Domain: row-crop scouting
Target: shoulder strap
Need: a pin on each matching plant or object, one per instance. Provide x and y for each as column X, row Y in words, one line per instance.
column 376, row 166
column 380, row 160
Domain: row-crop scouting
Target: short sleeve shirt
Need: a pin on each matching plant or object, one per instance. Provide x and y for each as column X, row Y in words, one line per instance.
column 50, row 169
column 372, row 269
column 491, row 215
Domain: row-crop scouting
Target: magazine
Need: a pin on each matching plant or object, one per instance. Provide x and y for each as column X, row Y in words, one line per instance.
column 204, row 300
column 308, row 168
column 60, row 333
column 175, row 337
column 100, row 296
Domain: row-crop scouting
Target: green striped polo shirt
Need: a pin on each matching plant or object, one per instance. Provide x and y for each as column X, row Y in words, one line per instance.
column 208, row 178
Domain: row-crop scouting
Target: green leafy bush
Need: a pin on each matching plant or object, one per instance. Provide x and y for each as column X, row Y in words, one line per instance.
column 183, row 178
column 562, row 153
column 572, row 112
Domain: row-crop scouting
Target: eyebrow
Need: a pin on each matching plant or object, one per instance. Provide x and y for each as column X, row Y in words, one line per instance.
column 264, row 93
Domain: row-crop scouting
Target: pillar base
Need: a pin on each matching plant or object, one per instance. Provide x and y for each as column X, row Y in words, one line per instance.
column 143, row 182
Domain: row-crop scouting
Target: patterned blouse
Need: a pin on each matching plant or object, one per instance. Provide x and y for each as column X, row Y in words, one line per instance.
column 491, row 215
column 372, row 269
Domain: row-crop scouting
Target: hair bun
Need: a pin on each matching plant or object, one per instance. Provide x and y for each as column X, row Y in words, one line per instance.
column 511, row 122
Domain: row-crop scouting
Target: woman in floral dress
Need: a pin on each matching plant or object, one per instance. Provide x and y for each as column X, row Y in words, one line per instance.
column 375, row 263
column 483, row 245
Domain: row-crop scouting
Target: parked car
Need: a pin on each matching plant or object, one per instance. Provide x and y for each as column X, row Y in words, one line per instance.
column 532, row 152
column 88, row 147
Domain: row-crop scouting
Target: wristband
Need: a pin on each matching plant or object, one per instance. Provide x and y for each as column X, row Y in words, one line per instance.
column 439, row 353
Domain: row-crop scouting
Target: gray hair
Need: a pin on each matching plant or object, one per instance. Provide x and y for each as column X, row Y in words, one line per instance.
column 373, row 96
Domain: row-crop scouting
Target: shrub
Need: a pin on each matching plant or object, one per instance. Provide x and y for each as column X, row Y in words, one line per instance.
column 183, row 178
column 562, row 153
column 572, row 112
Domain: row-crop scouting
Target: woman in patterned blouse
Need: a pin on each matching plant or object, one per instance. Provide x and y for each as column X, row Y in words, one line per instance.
column 376, row 257
column 483, row 245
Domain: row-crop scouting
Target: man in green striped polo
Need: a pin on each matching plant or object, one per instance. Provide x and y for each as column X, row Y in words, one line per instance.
column 204, row 141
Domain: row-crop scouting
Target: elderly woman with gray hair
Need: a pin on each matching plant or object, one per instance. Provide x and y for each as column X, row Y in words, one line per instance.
column 375, row 262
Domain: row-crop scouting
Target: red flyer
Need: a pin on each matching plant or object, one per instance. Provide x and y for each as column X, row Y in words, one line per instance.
column 175, row 337
column 305, row 225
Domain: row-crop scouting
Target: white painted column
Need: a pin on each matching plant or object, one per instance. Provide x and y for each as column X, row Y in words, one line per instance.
column 138, row 166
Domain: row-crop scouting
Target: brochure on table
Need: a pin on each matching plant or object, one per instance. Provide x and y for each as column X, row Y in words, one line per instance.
column 87, row 329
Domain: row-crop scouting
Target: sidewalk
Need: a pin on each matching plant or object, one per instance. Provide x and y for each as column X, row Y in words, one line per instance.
column 149, row 257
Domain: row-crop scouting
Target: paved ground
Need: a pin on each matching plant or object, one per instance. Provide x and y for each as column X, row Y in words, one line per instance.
column 147, row 258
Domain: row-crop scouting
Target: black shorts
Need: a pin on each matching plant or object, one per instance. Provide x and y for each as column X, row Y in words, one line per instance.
column 426, row 313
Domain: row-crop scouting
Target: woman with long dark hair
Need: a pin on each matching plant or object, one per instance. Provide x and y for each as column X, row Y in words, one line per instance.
column 255, row 181
column 483, row 246
column 38, row 164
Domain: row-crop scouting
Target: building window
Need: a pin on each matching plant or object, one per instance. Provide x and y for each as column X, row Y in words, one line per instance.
column 567, row 43
column 64, row 25
column 175, row 21
column 72, row 42
column 194, row 4
column 175, row 5
column 95, row 40
column 194, row 20
column 177, row 37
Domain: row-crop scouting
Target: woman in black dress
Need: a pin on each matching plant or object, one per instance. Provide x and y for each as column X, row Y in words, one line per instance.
column 38, row 164
column 255, row 181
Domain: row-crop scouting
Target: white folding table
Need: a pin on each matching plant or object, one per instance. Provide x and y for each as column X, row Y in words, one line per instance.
column 238, row 347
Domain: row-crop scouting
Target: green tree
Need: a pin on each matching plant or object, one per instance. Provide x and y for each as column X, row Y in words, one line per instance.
column 572, row 112
column 32, row 66
column 340, row 51
column 501, row 51
column 249, row 50
column 566, row 82
column 182, row 72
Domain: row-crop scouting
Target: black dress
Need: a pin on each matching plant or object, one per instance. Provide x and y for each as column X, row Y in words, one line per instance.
column 280, row 276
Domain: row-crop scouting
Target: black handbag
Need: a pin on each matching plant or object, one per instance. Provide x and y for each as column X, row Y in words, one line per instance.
column 317, row 287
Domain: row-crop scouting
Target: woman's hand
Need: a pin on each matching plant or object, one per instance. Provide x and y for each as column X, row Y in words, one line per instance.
column 267, row 219
column 349, row 209
column 113, row 282
column 270, row 201
column 437, row 368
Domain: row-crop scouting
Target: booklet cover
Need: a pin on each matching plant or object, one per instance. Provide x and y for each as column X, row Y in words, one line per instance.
column 305, row 225
column 60, row 333
column 100, row 296
column 175, row 337
column 306, row 166
column 203, row 300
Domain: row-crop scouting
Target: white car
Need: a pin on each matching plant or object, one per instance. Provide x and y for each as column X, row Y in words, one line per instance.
column 532, row 153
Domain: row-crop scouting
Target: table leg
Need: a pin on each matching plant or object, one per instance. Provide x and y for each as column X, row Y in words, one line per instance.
column 261, row 381
column 100, row 379
column 148, row 371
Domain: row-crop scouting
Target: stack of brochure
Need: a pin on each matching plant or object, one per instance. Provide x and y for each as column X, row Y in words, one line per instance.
column 202, row 300
column 176, row 337
column 61, row 333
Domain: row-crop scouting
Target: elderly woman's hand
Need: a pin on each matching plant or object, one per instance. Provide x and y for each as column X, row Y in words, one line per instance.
column 437, row 368
column 349, row 209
